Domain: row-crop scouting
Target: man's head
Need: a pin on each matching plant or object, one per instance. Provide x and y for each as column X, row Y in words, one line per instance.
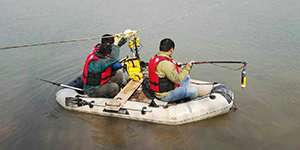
column 105, row 50
column 166, row 44
column 107, row 39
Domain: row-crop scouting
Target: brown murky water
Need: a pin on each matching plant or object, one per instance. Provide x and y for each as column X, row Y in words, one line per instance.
column 264, row 33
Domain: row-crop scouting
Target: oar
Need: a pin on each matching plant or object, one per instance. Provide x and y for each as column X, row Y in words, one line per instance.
column 61, row 85
column 78, row 102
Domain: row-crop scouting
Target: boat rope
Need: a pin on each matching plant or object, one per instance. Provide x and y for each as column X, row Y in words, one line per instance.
column 183, row 16
column 139, row 30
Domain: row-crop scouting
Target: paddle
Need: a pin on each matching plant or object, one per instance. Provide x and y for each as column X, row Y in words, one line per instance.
column 61, row 85
column 79, row 102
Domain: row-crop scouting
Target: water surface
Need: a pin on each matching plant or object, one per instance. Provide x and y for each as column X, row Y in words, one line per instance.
column 264, row 33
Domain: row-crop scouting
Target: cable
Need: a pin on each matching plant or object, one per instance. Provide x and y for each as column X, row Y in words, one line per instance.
column 139, row 30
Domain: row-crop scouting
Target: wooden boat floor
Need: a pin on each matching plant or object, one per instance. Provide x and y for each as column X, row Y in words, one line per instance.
column 140, row 96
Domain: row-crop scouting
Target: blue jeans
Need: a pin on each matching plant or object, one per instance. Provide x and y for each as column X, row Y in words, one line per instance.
column 183, row 91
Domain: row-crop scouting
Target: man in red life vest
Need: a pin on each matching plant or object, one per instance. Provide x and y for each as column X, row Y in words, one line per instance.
column 98, row 79
column 168, row 83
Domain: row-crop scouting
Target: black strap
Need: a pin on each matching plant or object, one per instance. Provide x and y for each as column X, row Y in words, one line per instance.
column 153, row 82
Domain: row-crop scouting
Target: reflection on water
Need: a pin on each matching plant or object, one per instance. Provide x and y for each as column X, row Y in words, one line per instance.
column 116, row 133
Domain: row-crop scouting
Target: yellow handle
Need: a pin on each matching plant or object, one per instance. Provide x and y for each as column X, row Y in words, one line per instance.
column 244, row 79
column 243, row 83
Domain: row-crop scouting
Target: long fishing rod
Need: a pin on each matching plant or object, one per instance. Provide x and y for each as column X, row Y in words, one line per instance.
column 240, row 62
column 243, row 74
column 220, row 62
column 61, row 85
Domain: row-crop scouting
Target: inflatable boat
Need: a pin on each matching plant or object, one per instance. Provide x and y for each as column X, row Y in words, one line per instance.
column 138, row 105
column 135, row 101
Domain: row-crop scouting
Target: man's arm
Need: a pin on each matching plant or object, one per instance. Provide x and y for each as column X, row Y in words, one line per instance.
column 114, row 56
column 167, row 69
column 115, row 52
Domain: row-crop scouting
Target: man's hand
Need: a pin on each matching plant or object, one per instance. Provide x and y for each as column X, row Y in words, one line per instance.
column 191, row 63
column 117, row 38
column 180, row 64
column 129, row 33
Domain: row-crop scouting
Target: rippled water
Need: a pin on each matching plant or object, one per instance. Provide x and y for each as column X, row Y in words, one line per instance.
column 264, row 33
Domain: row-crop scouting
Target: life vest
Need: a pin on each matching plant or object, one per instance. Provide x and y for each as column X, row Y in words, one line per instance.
column 160, row 84
column 94, row 78
column 96, row 47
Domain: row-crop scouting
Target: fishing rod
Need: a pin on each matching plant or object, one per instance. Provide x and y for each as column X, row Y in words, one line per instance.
column 219, row 62
column 71, row 87
column 61, row 85
column 243, row 73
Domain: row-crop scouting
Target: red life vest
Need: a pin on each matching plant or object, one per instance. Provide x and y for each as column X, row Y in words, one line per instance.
column 95, row 78
column 160, row 84
column 96, row 47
